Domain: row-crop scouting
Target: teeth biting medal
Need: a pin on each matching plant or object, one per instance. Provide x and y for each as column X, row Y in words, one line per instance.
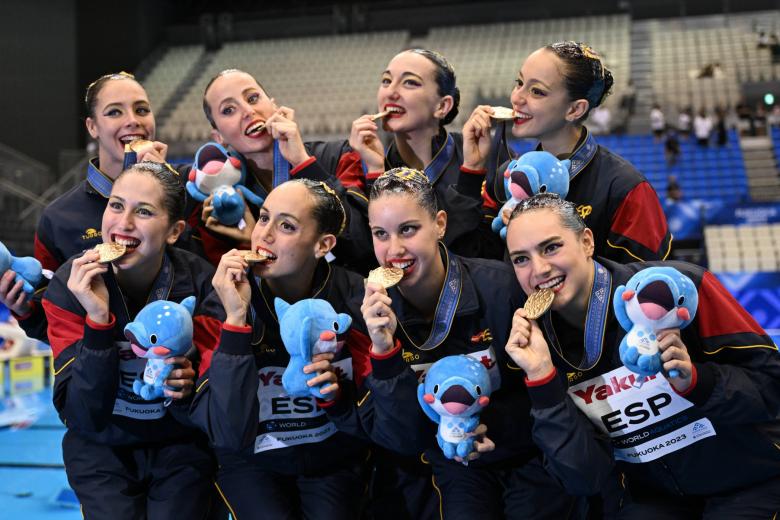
column 109, row 251
column 503, row 113
column 385, row 276
column 538, row 303
column 253, row 257
column 137, row 143
column 380, row 115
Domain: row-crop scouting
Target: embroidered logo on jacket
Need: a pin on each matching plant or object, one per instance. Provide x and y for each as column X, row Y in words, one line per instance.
column 482, row 337
column 584, row 210
column 410, row 356
column 90, row 234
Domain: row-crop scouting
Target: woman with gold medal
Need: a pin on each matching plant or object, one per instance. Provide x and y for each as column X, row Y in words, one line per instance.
column 417, row 97
column 444, row 305
column 699, row 439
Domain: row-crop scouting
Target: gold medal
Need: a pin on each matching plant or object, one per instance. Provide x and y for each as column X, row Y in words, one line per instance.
column 502, row 113
column 538, row 303
column 109, row 251
column 380, row 115
column 253, row 257
column 385, row 276
column 138, row 143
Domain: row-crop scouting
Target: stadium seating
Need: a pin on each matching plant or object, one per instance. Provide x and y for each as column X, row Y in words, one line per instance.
column 712, row 173
column 682, row 48
column 743, row 248
column 328, row 80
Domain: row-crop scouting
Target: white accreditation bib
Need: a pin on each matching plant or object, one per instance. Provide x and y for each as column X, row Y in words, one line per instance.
column 288, row 421
column 644, row 422
column 131, row 367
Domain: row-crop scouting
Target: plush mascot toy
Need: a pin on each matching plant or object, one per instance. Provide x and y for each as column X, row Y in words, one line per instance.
column 308, row 327
column 655, row 298
column 532, row 173
column 455, row 391
column 216, row 172
column 27, row 269
column 162, row 329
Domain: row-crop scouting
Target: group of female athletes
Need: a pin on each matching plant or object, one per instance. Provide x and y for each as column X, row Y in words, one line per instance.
column 568, row 433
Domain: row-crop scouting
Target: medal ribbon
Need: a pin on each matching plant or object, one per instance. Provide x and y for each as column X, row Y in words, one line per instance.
column 163, row 282
column 131, row 158
column 438, row 164
column 99, row 180
column 445, row 309
column 595, row 322
column 281, row 167
column 440, row 161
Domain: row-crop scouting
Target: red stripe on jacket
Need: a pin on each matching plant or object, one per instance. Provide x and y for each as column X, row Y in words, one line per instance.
column 44, row 256
column 722, row 314
column 641, row 218
column 65, row 327
column 205, row 337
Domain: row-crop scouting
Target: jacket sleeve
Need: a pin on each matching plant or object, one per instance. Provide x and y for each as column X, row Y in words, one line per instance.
column 468, row 226
column 389, row 411
column 350, row 171
column 578, row 456
column 44, row 250
column 86, row 362
column 225, row 405
column 34, row 323
column 343, row 410
column 381, row 405
column 638, row 230
column 736, row 364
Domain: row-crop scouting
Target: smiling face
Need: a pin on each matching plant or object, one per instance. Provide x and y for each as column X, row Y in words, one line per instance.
column 122, row 113
column 541, row 100
column 546, row 254
column 137, row 218
column 408, row 88
column 239, row 107
column 287, row 233
column 406, row 235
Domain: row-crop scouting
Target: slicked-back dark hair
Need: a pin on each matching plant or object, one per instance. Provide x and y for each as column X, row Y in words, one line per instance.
column 410, row 181
column 584, row 73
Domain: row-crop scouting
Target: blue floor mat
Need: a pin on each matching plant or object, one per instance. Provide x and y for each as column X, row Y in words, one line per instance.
column 33, row 485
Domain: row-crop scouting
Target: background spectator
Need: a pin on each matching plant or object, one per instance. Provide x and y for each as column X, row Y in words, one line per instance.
column 702, row 127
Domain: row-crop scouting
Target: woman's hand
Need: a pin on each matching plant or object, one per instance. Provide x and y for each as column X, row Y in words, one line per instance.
column 364, row 139
column 12, row 295
column 326, row 373
column 379, row 318
column 527, row 347
column 482, row 444
column 283, row 128
column 152, row 151
column 181, row 378
column 232, row 287
column 241, row 234
column 87, row 285
column 476, row 138
column 674, row 356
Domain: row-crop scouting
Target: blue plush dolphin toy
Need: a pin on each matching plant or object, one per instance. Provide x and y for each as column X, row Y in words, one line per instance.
column 27, row 269
column 653, row 299
column 162, row 329
column 455, row 391
column 533, row 172
column 216, row 172
column 308, row 327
